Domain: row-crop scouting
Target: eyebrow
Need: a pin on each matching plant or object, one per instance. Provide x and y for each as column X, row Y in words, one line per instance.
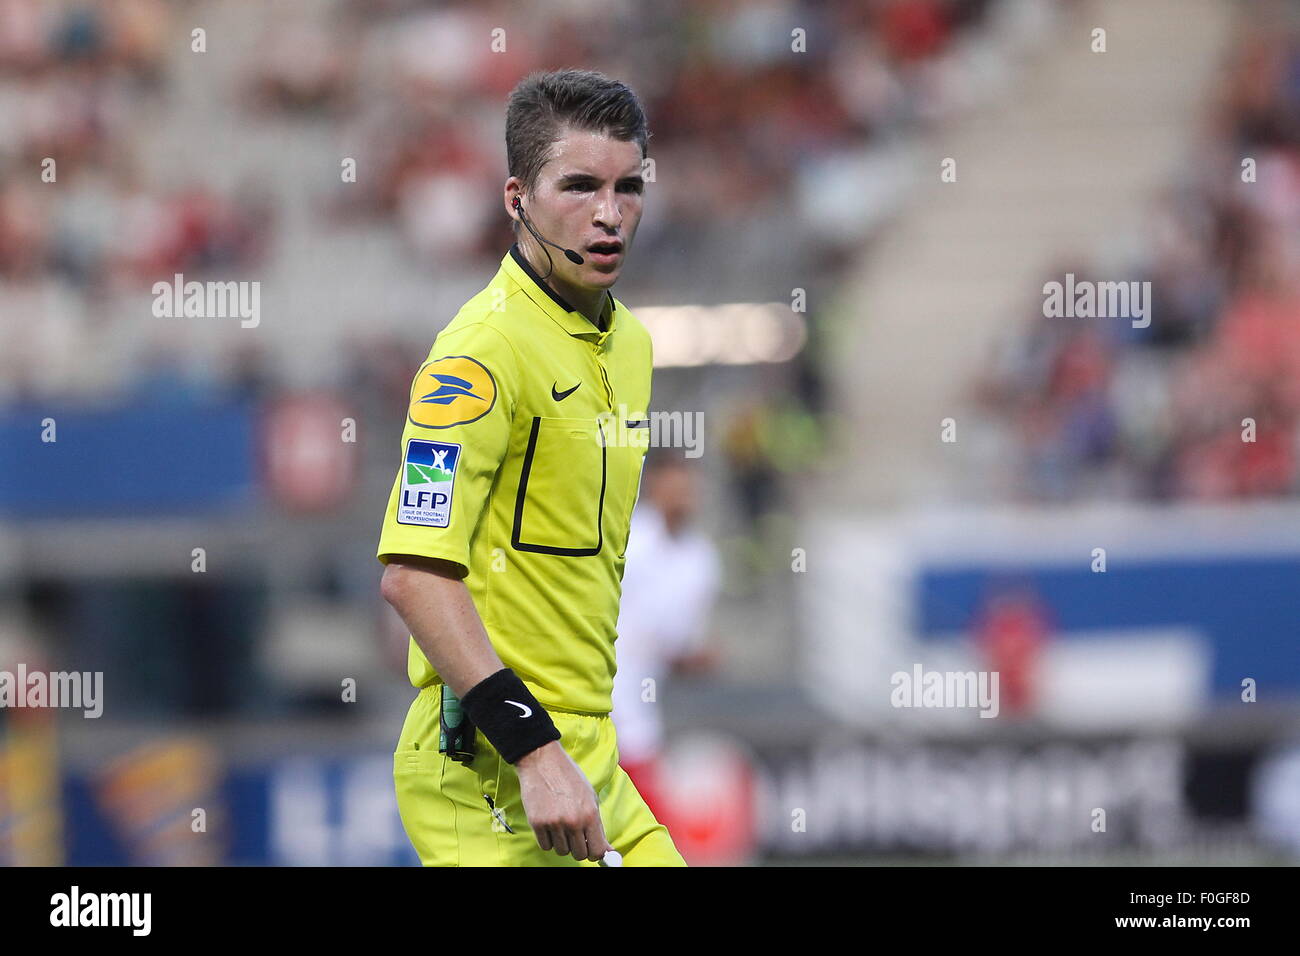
column 579, row 177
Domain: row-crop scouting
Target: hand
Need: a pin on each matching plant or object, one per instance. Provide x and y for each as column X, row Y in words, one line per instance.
column 560, row 804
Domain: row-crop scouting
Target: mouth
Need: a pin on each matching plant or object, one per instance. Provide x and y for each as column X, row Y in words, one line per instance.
column 606, row 251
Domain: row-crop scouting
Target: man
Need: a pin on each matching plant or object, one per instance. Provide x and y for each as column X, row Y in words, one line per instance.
column 669, row 590
column 507, row 525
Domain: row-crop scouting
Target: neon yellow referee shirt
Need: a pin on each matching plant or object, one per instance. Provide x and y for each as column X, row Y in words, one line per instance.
column 521, row 461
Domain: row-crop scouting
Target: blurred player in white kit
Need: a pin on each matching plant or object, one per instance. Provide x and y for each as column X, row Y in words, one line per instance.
column 670, row 584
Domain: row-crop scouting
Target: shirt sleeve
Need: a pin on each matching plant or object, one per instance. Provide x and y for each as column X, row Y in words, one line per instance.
column 456, row 435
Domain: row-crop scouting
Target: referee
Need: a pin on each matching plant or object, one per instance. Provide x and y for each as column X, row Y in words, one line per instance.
column 508, row 522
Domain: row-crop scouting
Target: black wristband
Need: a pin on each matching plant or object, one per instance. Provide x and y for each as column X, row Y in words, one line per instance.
column 509, row 715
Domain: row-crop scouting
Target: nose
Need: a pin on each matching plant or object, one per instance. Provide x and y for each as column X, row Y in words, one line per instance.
column 607, row 212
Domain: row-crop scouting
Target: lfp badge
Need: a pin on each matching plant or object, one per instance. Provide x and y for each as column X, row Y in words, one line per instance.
column 427, row 477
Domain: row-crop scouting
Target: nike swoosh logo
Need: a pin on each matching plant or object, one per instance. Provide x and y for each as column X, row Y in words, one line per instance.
column 527, row 711
column 561, row 396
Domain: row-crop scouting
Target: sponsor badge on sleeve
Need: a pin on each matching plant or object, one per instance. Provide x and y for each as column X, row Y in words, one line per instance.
column 428, row 474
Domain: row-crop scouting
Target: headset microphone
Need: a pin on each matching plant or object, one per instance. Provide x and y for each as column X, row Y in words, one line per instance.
column 569, row 254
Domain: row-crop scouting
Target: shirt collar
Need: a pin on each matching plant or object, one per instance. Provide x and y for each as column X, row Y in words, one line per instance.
column 552, row 303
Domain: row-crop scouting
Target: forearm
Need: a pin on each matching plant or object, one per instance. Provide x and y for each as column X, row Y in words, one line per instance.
column 438, row 610
column 440, row 613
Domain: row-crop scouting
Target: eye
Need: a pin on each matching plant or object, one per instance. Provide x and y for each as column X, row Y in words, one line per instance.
column 578, row 187
column 632, row 187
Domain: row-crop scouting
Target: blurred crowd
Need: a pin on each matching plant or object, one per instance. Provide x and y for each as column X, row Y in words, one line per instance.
column 82, row 219
column 736, row 118
column 743, row 128
column 1205, row 402
column 77, row 81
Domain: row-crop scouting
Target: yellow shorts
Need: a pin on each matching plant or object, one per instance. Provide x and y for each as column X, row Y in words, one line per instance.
column 447, row 817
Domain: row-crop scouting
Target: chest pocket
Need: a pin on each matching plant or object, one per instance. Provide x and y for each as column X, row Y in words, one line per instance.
column 560, row 505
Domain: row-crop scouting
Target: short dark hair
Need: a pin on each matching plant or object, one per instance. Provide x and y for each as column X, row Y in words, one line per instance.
column 543, row 105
